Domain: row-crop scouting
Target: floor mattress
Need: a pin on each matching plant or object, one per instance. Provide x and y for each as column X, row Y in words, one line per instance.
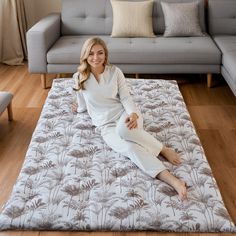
column 71, row 180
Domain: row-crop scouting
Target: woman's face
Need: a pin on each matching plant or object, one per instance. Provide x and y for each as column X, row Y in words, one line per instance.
column 96, row 57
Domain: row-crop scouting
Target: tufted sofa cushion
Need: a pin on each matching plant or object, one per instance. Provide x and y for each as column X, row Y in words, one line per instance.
column 160, row 50
column 229, row 62
column 227, row 45
column 222, row 17
column 222, row 26
column 78, row 17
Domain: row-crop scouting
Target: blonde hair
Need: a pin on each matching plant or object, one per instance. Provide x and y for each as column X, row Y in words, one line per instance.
column 84, row 68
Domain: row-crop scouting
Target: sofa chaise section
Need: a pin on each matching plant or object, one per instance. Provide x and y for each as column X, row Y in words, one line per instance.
column 222, row 27
column 55, row 42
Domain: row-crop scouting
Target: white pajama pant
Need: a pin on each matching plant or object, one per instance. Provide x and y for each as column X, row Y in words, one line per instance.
column 137, row 144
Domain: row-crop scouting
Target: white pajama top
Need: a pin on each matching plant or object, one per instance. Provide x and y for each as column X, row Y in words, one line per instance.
column 106, row 99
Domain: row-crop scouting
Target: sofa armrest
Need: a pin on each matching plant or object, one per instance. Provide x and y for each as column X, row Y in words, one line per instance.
column 39, row 39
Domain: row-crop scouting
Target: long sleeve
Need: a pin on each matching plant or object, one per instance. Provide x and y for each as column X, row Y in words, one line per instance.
column 124, row 94
column 79, row 95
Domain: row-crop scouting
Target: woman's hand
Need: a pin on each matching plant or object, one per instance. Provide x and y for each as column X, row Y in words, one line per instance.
column 131, row 121
column 74, row 107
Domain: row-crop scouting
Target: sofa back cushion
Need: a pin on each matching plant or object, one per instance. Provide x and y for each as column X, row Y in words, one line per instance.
column 222, row 17
column 95, row 17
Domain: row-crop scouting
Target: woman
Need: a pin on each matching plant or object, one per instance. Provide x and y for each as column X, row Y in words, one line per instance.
column 102, row 91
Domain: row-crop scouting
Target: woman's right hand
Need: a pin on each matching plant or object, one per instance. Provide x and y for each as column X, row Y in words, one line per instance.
column 131, row 121
column 74, row 107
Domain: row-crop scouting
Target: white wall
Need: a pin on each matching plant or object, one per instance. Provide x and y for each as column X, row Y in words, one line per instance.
column 37, row 9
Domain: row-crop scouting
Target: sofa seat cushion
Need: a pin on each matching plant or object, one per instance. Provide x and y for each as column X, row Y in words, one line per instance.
column 226, row 43
column 231, row 81
column 160, row 50
column 229, row 62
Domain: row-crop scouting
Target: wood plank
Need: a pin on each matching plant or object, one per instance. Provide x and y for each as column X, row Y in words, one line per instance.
column 195, row 93
column 213, row 116
column 19, row 233
column 215, row 148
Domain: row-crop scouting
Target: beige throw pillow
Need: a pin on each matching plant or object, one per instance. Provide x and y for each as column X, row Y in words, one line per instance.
column 181, row 19
column 132, row 19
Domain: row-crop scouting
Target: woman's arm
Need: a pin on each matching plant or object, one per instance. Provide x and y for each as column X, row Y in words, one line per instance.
column 127, row 102
column 125, row 96
column 81, row 104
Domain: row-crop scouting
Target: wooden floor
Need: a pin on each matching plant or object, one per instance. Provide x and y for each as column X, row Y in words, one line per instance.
column 213, row 112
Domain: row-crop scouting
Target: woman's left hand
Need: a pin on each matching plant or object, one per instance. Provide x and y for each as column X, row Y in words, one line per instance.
column 131, row 121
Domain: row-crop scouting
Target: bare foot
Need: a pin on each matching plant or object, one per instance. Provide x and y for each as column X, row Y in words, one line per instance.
column 181, row 189
column 74, row 107
column 177, row 184
column 171, row 155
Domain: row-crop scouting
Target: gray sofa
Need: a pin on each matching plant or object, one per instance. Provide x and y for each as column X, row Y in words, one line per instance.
column 222, row 27
column 54, row 43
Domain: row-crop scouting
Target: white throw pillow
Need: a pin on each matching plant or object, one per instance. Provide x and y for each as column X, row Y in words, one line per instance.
column 181, row 19
column 132, row 19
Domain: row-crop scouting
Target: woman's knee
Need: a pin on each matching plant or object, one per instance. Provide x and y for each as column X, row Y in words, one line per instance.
column 123, row 131
column 116, row 143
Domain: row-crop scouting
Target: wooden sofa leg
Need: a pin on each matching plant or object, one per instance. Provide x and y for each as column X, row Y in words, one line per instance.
column 43, row 80
column 209, row 80
column 9, row 111
column 136, row 76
